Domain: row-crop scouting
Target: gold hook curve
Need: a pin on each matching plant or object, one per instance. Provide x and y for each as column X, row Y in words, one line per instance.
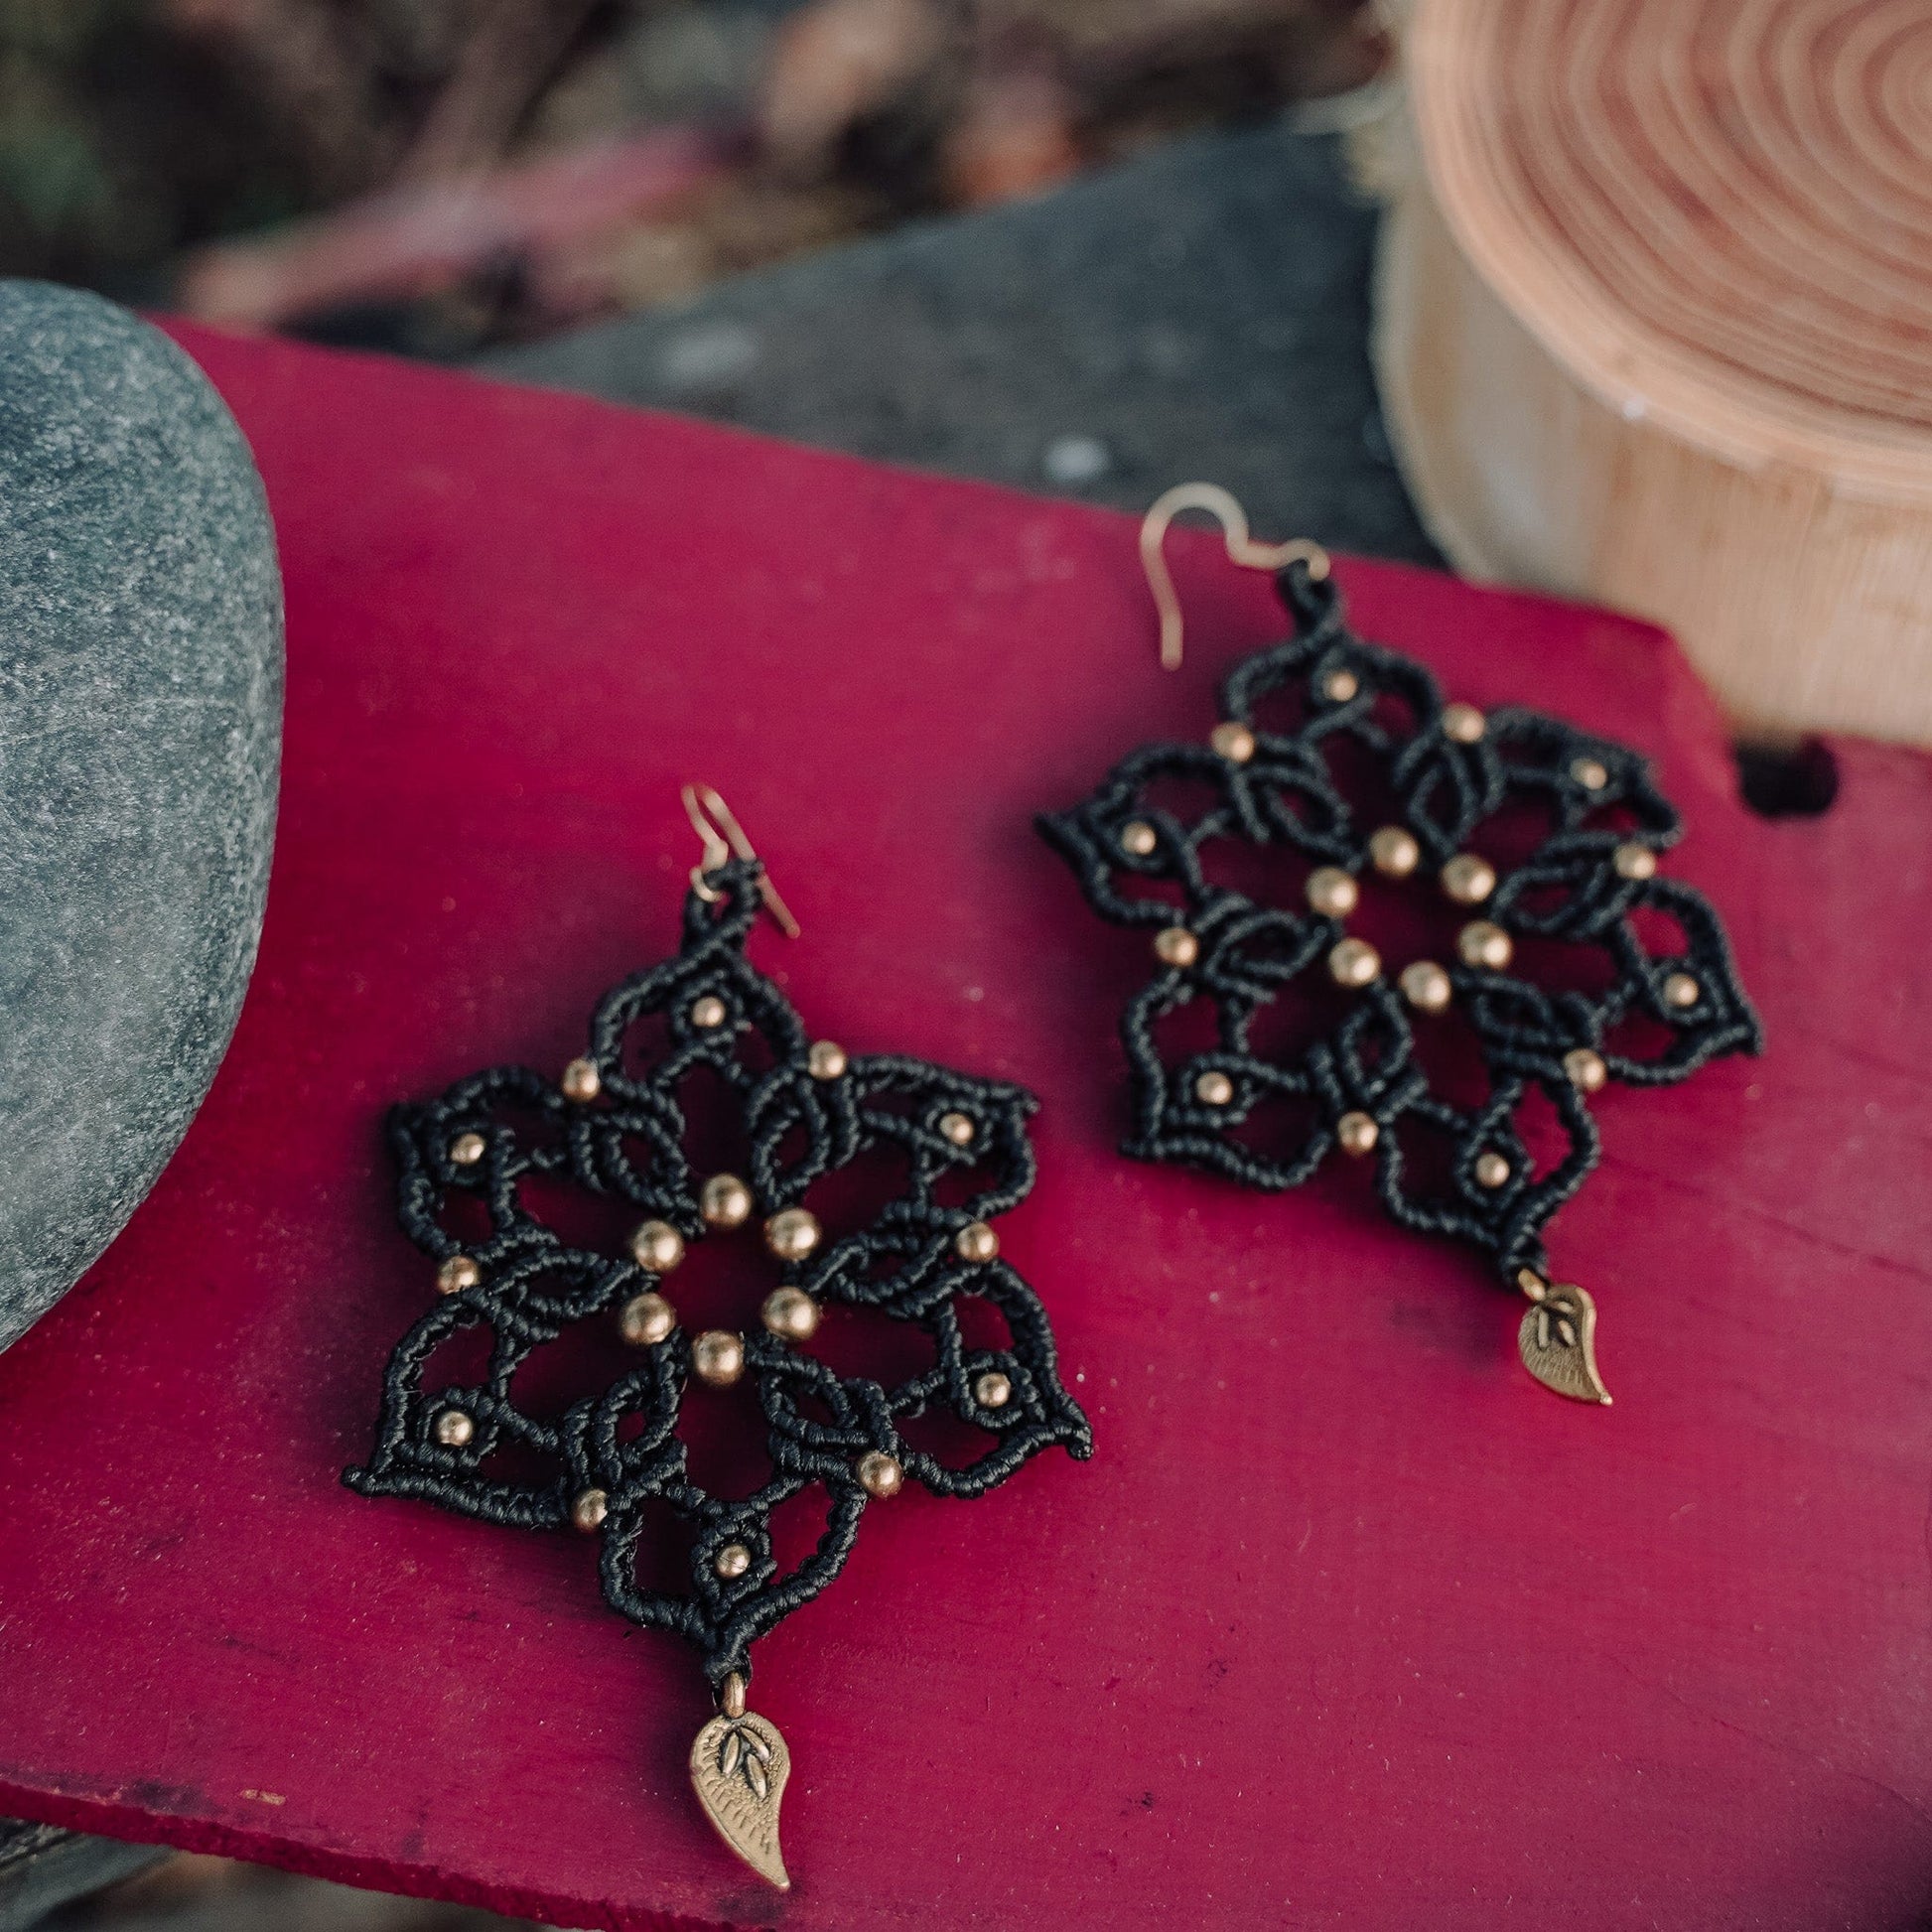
column 717, row 825
column 1242, row 549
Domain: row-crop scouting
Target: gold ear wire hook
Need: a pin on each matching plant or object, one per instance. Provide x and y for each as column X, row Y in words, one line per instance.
column 713, row 822
column 1242, row 549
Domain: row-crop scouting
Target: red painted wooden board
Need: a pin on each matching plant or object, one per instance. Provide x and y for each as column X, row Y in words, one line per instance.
column 1347, row 1623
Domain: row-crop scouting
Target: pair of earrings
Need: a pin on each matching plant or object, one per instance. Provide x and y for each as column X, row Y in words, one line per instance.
column 615, row 1125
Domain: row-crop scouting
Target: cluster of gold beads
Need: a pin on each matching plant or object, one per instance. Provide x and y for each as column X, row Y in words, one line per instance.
column 1466, row 879
column 725, row 1202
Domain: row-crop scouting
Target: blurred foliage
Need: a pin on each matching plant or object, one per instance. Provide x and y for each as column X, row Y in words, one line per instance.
column 387, row 168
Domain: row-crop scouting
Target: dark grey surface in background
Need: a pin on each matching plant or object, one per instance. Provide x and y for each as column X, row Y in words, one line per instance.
column 1202, row 312
column 42, row 1868
column 140, row 738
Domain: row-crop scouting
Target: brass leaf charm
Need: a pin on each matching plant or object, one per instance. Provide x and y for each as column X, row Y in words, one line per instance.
column 1557, row 1342
column 739, row 1768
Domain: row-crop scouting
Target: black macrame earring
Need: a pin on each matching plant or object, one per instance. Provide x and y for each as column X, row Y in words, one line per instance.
column 615, row 1128
column 1451, row 776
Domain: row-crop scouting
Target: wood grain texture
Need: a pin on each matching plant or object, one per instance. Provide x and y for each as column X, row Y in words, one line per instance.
column 1655, row 325
column 1347, row 1623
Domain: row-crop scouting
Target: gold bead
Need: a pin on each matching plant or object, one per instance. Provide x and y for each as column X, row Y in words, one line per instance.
column 1491, row 1168
column 709, row 1013
column 1138, row 838
column 1585, row 1068
column 588, row 1512
column 790, row 1314
column 1682, row 989
column 456, row 1274
column 1393, row 851
column 1213, row 1088
column 1339, row 686
column 1358, row 1134
column 1634, row 861
column 1332, row 893
column 1484, row 943
column 718, row 1357
column 1468, row 878
column 880, row 1474
column 1353, row 962
column 731, row 1562
column 1589, row 773
column 646, row 1320
column 975, row 1242
column 725, row 1201
column 1463, row 723
column 581, row 1080
column 792, row 1233
column 1235, row 742
column 657, row 1246
column 826, row 1060
column 1532, row 1283
column 1426, row 985
column 468, row 1149
column 455, row 1429
column 958, row 1129
column 993, row 1390
column 1174, row 946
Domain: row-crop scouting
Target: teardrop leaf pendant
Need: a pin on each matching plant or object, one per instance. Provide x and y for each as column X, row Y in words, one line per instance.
column 1558, row 1344
column 739, row 1768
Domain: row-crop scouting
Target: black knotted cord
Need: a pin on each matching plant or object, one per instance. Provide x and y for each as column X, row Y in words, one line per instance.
column 629, row 1143
column 1602, row 815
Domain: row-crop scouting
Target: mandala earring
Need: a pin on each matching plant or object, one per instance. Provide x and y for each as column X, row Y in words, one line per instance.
column 614, row 1127
column 1452, row 778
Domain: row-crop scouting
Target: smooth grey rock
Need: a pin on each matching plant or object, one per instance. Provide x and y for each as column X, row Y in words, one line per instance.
column 1200, row 312
column 43, row 1867
column 140, row 741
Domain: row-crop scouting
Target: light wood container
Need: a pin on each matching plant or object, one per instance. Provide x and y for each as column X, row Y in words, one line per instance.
column 1654, row 328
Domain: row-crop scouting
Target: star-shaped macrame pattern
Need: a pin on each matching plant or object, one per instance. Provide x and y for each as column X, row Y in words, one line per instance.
column 1540, row 842
column 617, row 1128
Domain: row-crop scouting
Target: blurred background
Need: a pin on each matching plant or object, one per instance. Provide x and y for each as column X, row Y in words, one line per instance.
column 440, row 177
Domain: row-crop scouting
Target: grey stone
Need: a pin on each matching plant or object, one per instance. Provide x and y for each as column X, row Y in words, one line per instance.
column 43, row 1867
column 1200, row 312
column 140, row 741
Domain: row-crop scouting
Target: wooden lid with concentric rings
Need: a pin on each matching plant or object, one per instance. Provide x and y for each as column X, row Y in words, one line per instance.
column 1718, row 212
